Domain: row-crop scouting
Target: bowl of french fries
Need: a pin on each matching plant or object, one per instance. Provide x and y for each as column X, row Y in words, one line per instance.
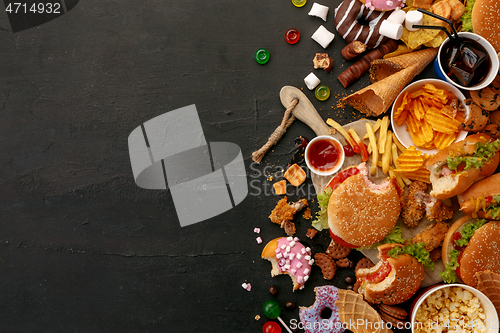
column 428, row 115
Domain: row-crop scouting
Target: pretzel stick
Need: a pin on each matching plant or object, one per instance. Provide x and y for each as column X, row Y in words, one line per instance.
column 288, row 119
column 360, row 67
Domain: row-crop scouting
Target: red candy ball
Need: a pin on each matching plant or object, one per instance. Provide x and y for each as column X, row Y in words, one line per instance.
column 292, row 36
column 271, row 327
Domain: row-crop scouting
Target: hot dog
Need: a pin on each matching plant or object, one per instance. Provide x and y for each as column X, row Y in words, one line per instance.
column 454, row 169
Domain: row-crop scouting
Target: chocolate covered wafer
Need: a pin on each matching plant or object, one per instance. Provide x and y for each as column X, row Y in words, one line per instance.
column 360, row 67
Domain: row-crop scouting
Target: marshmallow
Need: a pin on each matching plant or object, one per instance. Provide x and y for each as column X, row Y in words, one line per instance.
column 259, row 240
column 397, row 16
column 256, row 230
column 323, row 36
column 319, row 11
column 299, row 256
column 311, row 82
column 413, row 17
column 289, row 239
column 391, row 29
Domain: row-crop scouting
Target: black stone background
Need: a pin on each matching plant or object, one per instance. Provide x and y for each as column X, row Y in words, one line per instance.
column 82, row 248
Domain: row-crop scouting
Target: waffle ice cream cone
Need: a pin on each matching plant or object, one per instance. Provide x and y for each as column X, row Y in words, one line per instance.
column 489, row 284
column 382, row 68
column 357, row 315
column 378, row 97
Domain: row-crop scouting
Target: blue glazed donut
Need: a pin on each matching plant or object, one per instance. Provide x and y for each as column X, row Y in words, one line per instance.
column 310, row 317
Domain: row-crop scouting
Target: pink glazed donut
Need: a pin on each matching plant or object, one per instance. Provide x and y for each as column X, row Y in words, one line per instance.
column 347, row 17
column 384, row 5
column 310, row 317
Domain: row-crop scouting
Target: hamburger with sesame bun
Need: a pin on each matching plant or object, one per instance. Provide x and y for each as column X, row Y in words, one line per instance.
column 360, row 212
column 471, row 245
column 393, row 280
column 484, row 19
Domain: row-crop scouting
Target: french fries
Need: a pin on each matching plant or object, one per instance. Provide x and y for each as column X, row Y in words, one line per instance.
column 394, row 150
column 375, row 128
column 399, row 144
column 373, row 144
column 396, row 161
column 386, row 155
column 344, row 133
column 382, row 136
column 399, row 179
column 364, row 153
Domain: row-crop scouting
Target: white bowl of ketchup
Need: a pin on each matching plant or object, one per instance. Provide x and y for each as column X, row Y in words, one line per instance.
column 324, row 155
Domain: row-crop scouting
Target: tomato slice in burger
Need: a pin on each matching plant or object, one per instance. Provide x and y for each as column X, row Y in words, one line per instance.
column 379, row 275
column 340, row 241
column 341, row 177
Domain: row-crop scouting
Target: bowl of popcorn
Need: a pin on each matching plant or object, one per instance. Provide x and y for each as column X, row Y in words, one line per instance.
column 453, row 308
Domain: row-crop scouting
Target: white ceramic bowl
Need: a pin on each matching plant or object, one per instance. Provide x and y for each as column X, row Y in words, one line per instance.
column 491, row 321
column 401, row 132
column 491, row 52
column 341, row 156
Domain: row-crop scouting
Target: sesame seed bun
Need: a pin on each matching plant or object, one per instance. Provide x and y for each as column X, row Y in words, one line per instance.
column 363, row 213
column 484, row 188
column 485, row 21
column 401, row 283
column 482, row 253
column 447, row 242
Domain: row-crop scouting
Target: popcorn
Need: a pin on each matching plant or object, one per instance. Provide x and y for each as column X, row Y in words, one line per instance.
column 452, row 309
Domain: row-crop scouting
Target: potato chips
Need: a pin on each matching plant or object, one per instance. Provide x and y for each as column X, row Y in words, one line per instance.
column 411, row 164
column 430, row 119
column 425, row 37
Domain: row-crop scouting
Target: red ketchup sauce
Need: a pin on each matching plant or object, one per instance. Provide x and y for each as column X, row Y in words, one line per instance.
column 324, row 154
